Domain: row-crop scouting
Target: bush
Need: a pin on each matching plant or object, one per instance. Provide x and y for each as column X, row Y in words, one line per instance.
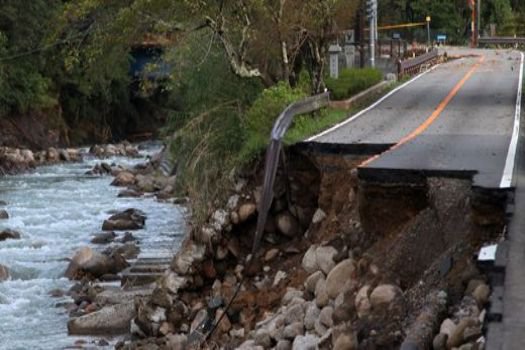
column 259, row 119
column 353, row 81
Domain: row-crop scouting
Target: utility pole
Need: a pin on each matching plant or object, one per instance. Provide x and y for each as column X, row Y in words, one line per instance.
column 474, row 5
column 371, row 12
column 428, row 19
column 478, row 21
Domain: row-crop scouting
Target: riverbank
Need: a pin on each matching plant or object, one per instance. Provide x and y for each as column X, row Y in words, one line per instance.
column 58, row 209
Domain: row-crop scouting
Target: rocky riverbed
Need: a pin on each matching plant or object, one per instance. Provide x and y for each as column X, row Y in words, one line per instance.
column 56, row 207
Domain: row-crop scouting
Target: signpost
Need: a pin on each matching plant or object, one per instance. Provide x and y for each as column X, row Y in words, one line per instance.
column 371, row 12
column 428, row 19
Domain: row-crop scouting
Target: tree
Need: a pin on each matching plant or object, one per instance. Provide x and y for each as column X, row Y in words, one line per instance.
column 268, row 39
column 23, row 81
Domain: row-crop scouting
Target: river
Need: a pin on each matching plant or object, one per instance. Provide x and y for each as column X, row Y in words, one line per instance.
column 58, row 209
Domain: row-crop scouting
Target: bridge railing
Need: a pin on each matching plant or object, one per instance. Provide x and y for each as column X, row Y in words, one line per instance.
column 413, row 65
column 501, row 40
column 280, row 127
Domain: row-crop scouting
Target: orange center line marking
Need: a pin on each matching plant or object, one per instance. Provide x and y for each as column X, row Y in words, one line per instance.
column 437, row 112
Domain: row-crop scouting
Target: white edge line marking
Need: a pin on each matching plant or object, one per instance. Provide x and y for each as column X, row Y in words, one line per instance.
column 508, row 171
column 375, row 104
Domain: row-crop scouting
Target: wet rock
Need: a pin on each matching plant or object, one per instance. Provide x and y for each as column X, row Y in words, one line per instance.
column 481, row 294
column 129, row 219
column 293, row 330
column 321, row 294
column 3, row 203
column 237, row 333
column 4, row 273
column 166, row 328
column 220, row 219
column 287, row 224
column 103, row 238
column 64, row 155
column 472, row 285
column 283, row 345
column 129, row 194
column 306, row 342
column 440, row 342
column 52, row 155
column 271, row 254
column 263, row 338
column 279, row 277
column 325, row 317
column 124, row 179
column 456, row 338
column 309, row 262
column 291, row 293
column 346, row 342
column 246, row 211
column 337, row 278
column 250, row 345
column 472, row 334
column 9, row 234
column 177, row 341
column 294, row 313
column 173, row 282
column 311, row 281
column 127, row 251
column 199, row 318
column 88, row 262
column 311, row 315
column 384, row 294
column 110, row 320
column 189, row 254
column 325, row 258
column 3, row 214
column 28, row 156
column 362, row 302
column 161, row 298
column 447, row 327
column 225, row 325
column 128, row 237
column 319, row 216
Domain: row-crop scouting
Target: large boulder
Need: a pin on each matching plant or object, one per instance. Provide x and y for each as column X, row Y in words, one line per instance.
column 103, row 238
column 246, row 211
column 3, row 214
column 129, row 219
column 110, row 320
column 87, row 262
column 52, row 155
column 287, row 224
column 385, row 294
column 338, row 277
column 9, row 234
column 124, row 178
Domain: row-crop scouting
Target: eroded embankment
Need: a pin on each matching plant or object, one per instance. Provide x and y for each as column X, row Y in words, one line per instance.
column 345, row 263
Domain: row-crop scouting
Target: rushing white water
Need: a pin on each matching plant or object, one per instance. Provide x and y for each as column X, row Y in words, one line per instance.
column 58, row 209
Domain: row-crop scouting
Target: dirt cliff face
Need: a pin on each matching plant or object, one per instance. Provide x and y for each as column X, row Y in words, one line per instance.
column 34, row 130
column 343, row 261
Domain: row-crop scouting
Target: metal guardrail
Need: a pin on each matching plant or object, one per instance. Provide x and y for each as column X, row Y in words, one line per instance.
column 501, row 40
column 413, row 66
column 281, row 125
column 272, row 156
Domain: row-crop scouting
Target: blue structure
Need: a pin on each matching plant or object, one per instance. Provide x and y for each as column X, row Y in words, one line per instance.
column 145, row 57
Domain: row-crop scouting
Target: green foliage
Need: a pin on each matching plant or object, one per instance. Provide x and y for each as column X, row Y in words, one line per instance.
column 206, row 131
column 352, row 81
column 261, row 116
column 24, row 83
